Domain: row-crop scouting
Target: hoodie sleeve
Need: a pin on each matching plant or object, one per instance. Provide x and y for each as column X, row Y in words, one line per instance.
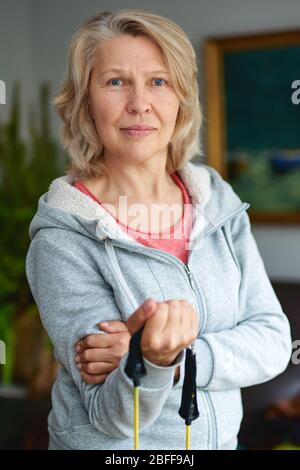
column 72, row 299
column 259, row 347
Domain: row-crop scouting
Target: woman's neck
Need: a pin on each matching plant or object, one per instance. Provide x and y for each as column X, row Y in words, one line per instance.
column 147, row 211
column 138, row 189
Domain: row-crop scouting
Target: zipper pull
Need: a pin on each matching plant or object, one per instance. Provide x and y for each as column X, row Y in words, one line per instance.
column 190, row 275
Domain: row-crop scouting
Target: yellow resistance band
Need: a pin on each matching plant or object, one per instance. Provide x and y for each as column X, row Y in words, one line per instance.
column 136, row 417
column 188, row 437
column 188, row 434
column 136, row 423
column 135, row 369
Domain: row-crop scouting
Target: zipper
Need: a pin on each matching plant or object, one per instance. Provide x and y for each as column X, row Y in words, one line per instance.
column 194, row 286
column 206, row 394
column 159, row 254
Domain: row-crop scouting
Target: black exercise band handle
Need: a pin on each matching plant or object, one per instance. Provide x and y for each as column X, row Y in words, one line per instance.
column 135, row 368
column 189, row 408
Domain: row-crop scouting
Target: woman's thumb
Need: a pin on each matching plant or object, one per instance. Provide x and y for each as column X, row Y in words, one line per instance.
column 137, row 320
column 148, row 305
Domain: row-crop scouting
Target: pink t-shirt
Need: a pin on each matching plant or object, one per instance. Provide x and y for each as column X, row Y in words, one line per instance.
column 174, row 240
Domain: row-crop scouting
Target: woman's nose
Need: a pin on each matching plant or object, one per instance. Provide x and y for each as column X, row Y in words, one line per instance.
column 138, row 100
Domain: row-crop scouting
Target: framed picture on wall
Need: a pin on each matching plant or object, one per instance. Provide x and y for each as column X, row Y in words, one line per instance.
column 253, row 120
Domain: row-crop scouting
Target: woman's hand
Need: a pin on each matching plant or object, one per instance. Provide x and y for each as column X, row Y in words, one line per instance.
column 169, row 327
column 172, row 328
column 100, row 354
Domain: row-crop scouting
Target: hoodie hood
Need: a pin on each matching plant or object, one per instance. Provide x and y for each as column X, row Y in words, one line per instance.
column 63, row 206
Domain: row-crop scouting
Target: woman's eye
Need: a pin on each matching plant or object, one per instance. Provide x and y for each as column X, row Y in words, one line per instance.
column 160, row 80
column 114, row 81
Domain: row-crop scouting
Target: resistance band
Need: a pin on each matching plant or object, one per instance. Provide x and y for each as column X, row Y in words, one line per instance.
column 135, row 369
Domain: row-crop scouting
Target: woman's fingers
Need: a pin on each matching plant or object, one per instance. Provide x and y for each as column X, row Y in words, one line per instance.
column 92, row 341
column 171, row 329
column 102, row 360
column 94, row 355
column 154, row 327
column 114, row 326
column 138, row 319
column 100, row 341
column 97, row 368
column 93, row 379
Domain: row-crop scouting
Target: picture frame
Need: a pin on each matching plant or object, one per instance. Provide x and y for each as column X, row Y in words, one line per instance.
column 252, row 91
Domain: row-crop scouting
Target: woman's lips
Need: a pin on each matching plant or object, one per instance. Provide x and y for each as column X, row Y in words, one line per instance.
column 137, row 132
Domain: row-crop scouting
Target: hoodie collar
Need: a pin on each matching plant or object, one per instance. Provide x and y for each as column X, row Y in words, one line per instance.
column 62, row 195
column 64, row 206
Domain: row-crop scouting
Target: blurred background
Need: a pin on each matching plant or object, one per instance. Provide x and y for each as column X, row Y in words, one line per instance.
column 34, row 36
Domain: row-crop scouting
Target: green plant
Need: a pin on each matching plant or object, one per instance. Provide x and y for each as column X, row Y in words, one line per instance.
column 26, row 170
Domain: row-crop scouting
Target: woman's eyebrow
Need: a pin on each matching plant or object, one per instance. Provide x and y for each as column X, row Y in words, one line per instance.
column 126, row 73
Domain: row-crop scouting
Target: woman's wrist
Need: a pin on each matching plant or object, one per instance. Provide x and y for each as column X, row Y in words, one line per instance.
column 166, row 362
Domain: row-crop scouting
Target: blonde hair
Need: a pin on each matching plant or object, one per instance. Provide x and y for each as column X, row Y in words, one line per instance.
column 78, row 132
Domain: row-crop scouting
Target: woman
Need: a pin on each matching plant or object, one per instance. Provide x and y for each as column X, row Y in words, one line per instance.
column 93, row 259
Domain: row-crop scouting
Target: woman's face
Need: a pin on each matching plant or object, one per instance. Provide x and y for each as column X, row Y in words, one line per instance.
column 140, row 93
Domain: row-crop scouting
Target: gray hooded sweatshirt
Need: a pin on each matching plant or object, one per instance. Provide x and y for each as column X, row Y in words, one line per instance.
column 83, row 268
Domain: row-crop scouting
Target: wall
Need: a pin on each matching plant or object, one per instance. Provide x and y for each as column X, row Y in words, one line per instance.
column 17, row 54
